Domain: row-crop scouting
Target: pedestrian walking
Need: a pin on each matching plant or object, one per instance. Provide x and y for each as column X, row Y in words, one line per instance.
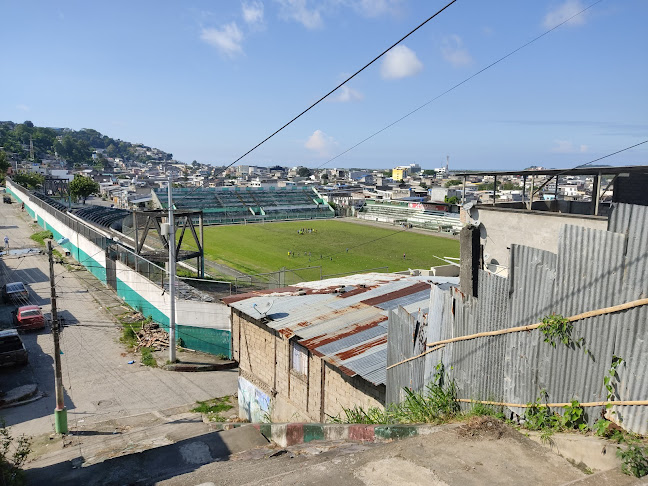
column 6, row 242
column 403, row 256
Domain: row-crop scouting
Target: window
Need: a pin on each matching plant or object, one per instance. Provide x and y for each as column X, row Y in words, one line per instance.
column 298, row 359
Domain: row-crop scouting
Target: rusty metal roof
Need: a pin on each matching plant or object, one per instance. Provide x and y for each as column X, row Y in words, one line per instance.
column 342, row 320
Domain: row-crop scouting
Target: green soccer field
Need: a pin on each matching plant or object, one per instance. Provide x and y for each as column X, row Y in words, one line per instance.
column 339, row 247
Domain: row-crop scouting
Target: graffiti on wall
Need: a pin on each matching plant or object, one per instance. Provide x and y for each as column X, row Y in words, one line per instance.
column 254, row 404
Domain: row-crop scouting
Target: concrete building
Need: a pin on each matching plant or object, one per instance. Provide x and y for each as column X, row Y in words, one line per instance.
column 308, row 351
column 399, row 173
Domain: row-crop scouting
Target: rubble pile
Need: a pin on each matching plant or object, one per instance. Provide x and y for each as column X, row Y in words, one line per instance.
column 152, row 336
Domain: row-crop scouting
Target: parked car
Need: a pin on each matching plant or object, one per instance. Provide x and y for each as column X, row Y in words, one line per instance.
column 6, row 199
column 12, row 349
column 16, row 291
column 28, row 317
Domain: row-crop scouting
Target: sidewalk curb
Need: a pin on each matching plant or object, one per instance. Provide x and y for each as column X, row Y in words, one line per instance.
column 195, row 367
column 289, row 434
column 38, row 396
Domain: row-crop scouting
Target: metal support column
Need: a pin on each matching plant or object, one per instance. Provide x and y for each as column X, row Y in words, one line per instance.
column 202, row 245
column 172, row 267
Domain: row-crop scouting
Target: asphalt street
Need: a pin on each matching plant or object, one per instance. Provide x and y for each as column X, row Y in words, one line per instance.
column 99, row 383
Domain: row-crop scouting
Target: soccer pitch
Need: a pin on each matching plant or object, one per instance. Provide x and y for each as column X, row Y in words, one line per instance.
column 338, row 246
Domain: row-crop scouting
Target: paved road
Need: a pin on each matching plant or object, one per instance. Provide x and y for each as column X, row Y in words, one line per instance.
column 99, row 384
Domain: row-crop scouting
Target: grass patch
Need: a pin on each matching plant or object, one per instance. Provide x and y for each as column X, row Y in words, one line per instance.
column 436, row 404
column 213, row 408
column 41, row 236
column 147, row 358
column 129, row 334
column 337, row 246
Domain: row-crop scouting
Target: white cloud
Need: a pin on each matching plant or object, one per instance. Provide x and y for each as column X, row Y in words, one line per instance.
column 374, row 8
column 400, row 62
column 299, row 11
column 567, row 147
column 320, row 142
column 227, row 39
column 564, row 11
column 252, row 13
column 454, row 52
column 346, row 94
column 22, row 107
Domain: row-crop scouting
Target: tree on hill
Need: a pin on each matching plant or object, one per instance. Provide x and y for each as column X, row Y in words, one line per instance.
column 82, row 187
column 303, row 172
column 4, row 162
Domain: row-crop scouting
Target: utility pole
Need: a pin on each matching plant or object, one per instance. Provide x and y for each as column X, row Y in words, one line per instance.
column 60, row 413
column 172, row 271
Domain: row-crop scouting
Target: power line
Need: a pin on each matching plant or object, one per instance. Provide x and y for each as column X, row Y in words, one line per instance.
column 460, row 83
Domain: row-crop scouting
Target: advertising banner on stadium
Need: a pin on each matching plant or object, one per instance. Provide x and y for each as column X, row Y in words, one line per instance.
column 415, row 206
column 436, row 207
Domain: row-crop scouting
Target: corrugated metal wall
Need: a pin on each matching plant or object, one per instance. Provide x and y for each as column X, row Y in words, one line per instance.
column 592, row 270
column 409, row 339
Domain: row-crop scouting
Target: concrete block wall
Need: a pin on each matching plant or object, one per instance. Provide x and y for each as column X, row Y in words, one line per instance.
column 264, row 360
column 203, row 326
column 342, row 391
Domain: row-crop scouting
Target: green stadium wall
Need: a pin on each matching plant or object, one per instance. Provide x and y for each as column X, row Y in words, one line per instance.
column 202, row 326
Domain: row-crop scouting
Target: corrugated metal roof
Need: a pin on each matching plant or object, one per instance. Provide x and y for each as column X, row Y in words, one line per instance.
column 343, row 320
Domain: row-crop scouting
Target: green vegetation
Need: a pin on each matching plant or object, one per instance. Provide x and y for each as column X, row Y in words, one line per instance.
column 611, row 377
column 81, row 187
column 130, row 328
column 129, row 337
column 634, row 460
column 451, row 200
column 147, row 358
column 506, row 186
column 437, row 404
column 213, row 408
column 13, row 454
column 75, row 146
column 4, row 165
column 557, row 328
column 30, row 180
column 339, row 247
column 303, row 172
column 453, row 182
column 41, row 236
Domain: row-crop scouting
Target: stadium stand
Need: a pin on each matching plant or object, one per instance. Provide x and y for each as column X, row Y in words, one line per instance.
column 397, row 213
column 102, row 216
column 247, row 205
column 52, row 202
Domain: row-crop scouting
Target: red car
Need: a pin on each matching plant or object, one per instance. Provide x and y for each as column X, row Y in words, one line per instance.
column 29, row 317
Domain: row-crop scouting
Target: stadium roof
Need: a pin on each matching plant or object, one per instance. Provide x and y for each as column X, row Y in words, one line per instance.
column 102, row 215
column 342, row 320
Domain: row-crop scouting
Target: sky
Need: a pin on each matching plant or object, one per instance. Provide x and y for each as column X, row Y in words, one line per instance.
column 208, row 80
